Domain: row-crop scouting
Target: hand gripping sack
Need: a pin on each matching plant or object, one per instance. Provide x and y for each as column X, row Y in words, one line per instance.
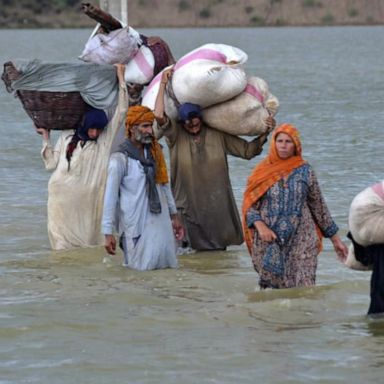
column 246, row 113
column 117, row 47
column 366, row 216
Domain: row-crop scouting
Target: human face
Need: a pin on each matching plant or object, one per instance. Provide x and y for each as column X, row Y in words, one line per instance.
column 143, row 132
column 285, row 146
column 93, row 133
column 193, row 126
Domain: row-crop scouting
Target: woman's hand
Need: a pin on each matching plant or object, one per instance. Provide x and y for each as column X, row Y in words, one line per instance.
column 340, row 248
column 265, row 233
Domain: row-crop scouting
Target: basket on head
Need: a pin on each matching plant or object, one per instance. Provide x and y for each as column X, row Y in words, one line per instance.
column 50, row 110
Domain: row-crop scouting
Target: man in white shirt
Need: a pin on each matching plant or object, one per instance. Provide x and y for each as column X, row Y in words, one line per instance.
column 138, row 203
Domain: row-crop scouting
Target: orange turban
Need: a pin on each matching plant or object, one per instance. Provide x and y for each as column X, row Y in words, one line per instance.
column 137, row 114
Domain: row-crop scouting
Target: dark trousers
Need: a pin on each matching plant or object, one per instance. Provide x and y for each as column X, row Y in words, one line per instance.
column 377, row 280
column 373, row 255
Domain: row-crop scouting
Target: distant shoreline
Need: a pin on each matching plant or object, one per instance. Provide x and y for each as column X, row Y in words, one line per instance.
column 201, row 14
column 56, row 26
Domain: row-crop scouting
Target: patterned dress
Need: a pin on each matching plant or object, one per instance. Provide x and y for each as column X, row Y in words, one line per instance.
column 292, row 208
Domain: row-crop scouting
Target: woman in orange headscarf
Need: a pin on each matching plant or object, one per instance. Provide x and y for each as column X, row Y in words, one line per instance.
column 285, row 215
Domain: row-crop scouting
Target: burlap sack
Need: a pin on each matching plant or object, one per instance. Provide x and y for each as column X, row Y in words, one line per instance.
column 246, row 113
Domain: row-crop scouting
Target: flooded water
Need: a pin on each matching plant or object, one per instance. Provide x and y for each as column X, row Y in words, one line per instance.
column 68, row 317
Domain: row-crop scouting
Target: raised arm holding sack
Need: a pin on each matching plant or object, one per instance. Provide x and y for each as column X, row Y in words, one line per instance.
column 200, row 175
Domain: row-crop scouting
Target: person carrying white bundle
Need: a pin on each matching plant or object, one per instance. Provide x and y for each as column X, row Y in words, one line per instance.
column 366, row 224
column 200, row 175
column 208, row 75
column 245, row 114
column 79, row 163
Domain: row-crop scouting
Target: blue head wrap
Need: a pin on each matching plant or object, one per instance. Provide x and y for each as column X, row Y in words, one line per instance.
column 188, row 111
column 93, row 118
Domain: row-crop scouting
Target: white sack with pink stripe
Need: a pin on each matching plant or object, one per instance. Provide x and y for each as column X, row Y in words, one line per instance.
column 208, row 75
column 140, row 68
column 246, row 113
column 366, row 216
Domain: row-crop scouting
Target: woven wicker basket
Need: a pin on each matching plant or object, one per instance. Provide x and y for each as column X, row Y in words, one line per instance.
column 50, row 110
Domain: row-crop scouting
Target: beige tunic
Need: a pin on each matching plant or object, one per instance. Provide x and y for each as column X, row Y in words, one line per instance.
column 75, row 196
column 201, row 185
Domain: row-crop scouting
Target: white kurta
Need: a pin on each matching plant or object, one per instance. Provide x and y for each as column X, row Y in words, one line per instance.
column 75, row 196
column 148, row 238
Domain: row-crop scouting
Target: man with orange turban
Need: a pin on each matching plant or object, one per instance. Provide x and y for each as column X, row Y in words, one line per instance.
column 138, row 203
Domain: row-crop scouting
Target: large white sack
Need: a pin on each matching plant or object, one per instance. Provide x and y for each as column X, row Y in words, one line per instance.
column 140, row 68
column 366, row 216
column 208, row 75
column 246, row 113
column 118, row 46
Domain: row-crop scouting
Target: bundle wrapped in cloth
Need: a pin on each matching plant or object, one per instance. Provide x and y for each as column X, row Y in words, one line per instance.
column 208, row 75
column 366, row 216
column 366, row 227
column 111, row 43
column 56, row 95
column 246, row 113
column 127, row 46
column 118, row 46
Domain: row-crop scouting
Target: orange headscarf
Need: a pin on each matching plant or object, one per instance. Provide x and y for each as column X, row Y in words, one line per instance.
column 267, row 173
column 138, row 114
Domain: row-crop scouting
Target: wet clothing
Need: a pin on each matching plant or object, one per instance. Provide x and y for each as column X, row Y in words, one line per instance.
column 75, row 195
column 201, row 184
column 372, row 255
column 146, row 236
column 293, row 208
